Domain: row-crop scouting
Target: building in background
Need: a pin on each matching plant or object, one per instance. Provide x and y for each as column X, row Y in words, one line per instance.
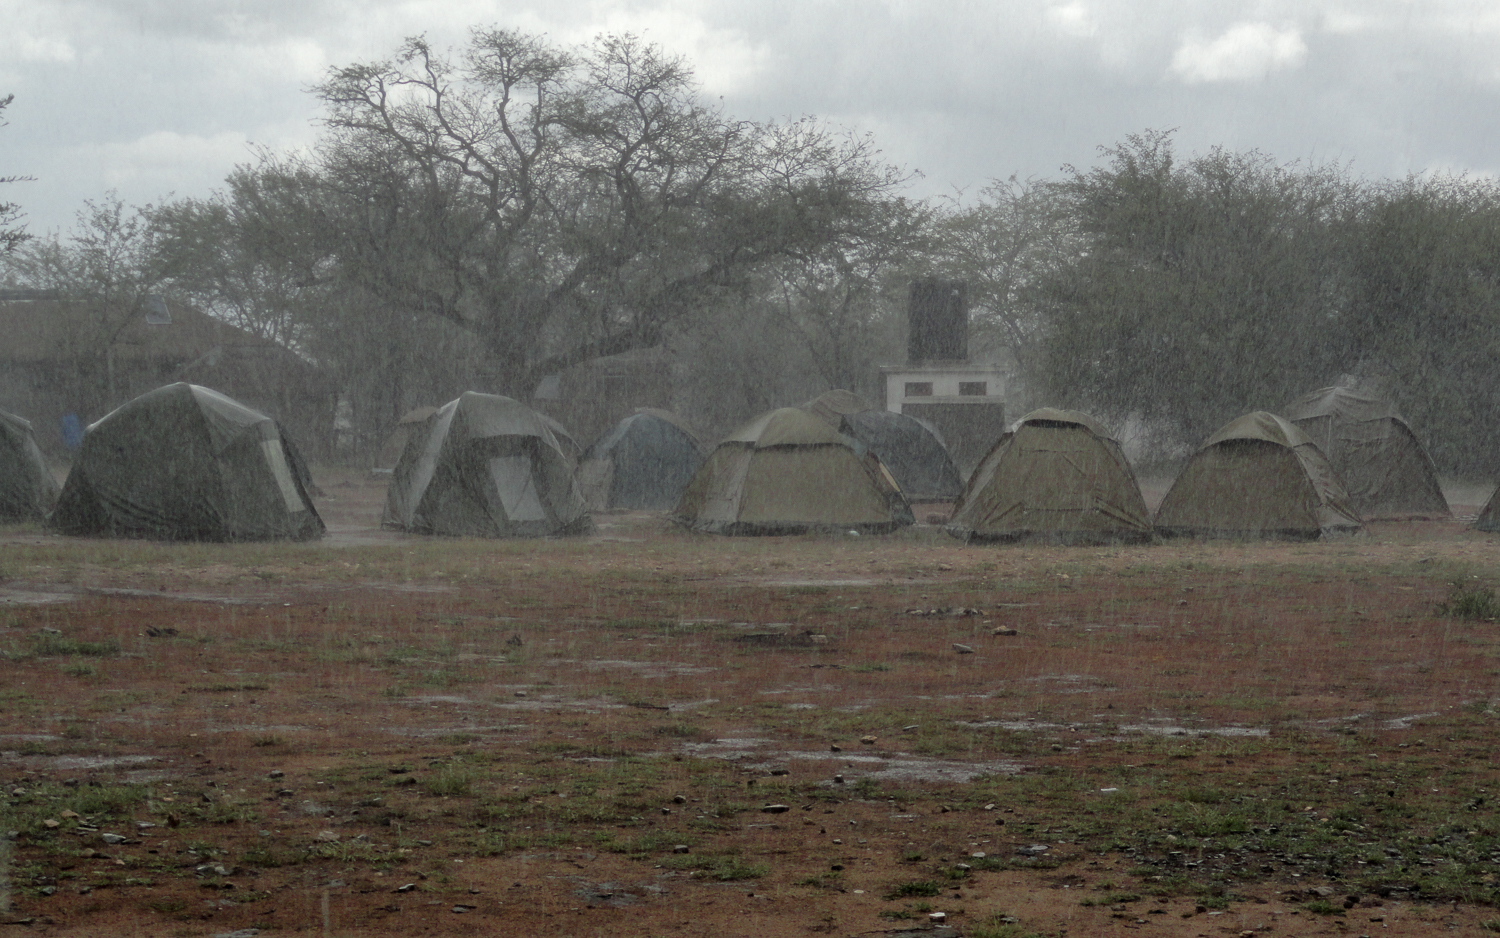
column 964, row 399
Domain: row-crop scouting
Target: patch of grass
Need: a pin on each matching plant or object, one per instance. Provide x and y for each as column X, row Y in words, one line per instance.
column 52, row 645
column 455, row 779
column 1470, row 601
column 724, row 868
column 917, row 888
column 1000, row 926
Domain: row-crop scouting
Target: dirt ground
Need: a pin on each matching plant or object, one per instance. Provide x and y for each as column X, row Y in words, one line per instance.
column 647, row 732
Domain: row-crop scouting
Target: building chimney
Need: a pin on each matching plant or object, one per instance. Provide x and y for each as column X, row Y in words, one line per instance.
column 938, row 322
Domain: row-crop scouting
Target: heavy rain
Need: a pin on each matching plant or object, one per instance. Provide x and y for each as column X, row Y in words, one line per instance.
column 556, row 494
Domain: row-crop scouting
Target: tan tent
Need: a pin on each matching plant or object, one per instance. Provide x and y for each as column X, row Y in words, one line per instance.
column 1056, row 477
column 1385, row 471
column 1259, row 476
column 788, row 472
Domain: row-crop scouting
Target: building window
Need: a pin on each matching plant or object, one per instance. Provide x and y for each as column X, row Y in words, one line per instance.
column 919, row 389
column 973, row 389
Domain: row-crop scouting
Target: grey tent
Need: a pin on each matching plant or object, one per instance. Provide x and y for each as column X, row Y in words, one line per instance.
column 644, row 461
column 27, row 489
column 184, row 462
column 789, row 472
column 1259, row 476
column 484, row 466
column 1056, row 477
column 1385, row 471
column 910, row 449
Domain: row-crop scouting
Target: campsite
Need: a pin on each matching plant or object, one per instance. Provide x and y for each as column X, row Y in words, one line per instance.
column 646, row 730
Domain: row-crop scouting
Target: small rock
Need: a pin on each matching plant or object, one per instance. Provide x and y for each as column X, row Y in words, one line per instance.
column 867, row 740
column 679, row 848
column 112, row 838
column 276, row 773
column 679, row 799
column 51, row 823
column 406, row 887
column 937, row 918
column 775, row 809
column 326, row 837
column 1004, row 632
column 461, row 909
column 835, row 748
column 838, row 779
column 963, row 650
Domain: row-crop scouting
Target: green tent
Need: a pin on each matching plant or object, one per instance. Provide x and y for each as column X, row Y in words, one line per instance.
column 27, row 489
column 184, row 462
column 1385, row 471
column 1259, row 476
column 484, row 466
column 789, row 472
column 1056, row 477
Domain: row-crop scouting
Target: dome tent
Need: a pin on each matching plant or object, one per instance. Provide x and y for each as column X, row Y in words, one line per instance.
column 1259, row 476
column 484, row 466
column 910, row 449
column 1385, row 471
column 1057, row 476
column 27, row 489
column 184, row 462
column 789, row 472
column 644, row 461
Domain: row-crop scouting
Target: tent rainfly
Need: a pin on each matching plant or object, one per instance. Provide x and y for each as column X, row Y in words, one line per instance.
column 1259, row 476
column 1489, row 517
column 789, row 472
column 186, row 463
column 484, row 466
column 644, row 461
column 1385, row 471
column 910, row 449
column 395, row 443
column 27, row 489
column 833, row 406
column 1056, row 477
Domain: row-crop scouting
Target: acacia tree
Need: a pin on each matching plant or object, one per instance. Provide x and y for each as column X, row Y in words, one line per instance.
column 12, row 234
column 1204, row 289
column 1006, row 245
column 104, row 269
column 564, row 205
column 843, row 301
column 1424, row 307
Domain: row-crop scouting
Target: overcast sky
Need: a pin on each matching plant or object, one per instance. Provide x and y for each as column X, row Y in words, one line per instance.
column 152, row 98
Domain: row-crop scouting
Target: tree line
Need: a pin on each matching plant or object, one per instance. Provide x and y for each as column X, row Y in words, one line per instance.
column 488, row 217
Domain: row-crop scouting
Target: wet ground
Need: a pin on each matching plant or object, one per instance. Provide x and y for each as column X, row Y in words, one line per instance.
column 648, row 732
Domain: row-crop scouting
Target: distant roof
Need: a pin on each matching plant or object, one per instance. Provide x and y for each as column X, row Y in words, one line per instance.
column 45, row 329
